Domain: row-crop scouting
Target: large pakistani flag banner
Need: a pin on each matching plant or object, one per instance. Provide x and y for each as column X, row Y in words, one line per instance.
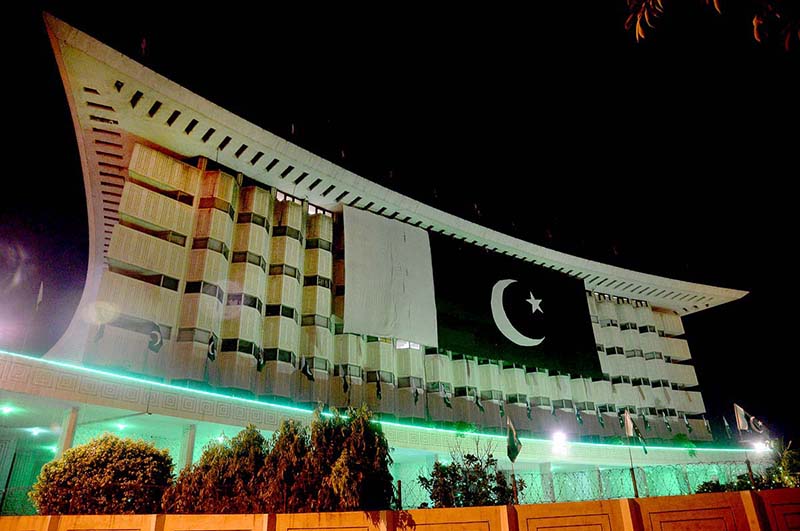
column 388, row 279
column 495, row 306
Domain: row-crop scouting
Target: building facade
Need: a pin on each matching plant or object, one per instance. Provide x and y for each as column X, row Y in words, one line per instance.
column 216, row 296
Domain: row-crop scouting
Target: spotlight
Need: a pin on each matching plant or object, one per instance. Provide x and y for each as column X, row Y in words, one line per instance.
column 761, row 447
column 559, row 443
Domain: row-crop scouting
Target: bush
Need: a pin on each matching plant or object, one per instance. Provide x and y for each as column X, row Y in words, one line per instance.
column 225, row 480
column 339, row 464
column 281, row 489
column 347, row 467
column 108, row 475
column 470, row 480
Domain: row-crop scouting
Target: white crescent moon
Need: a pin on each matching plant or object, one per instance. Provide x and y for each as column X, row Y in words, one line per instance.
column 501, row 319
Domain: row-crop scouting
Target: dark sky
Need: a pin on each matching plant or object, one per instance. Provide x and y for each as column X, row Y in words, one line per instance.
column 674, row 157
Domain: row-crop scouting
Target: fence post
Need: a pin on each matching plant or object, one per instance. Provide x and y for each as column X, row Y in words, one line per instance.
column 399, row 494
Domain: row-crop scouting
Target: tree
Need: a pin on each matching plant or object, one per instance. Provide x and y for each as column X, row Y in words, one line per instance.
column 340, row 463
column 283, row 489
column 348, row 464
column 772, row 19
column 225, row 480
column 470, row 480
column 107, row 475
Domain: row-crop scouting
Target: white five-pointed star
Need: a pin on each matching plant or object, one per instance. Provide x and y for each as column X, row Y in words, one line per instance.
column 536, row 304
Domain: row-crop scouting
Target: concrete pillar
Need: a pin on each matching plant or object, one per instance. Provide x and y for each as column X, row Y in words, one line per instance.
column 548, row 489
column 187, row 446
column 68, row 425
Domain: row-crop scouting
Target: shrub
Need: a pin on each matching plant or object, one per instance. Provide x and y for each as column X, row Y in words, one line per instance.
column 338, row 464
column 470, row 480
column 281, row 490
column 348, row 464
column 108, row 475
column 224, row 480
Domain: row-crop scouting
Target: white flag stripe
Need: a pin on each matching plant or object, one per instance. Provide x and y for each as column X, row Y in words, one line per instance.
column 741, row 418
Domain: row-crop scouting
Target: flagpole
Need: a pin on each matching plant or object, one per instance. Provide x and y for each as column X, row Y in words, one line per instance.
column 633, row 474
column 513, row 476
column 33, row 318
column 746, row 455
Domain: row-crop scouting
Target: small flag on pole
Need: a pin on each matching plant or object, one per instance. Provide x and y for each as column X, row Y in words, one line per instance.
column 746, row 422
column 101, row 330
column 514, row 445
column 479, row 403
column 578, row 415
column 502, row 408
column 443, row 394
column 706, row 424
column 666, row 421
column 156, row 339
column 40, row 296
column 305, row 369
column 343, row 374
column 259, row 355
column 211, row 354
column 600, row 418
column 621, row 419
column 645, row 422
column 632, row 430
column 686, row 423
column 628, row 424
column 553, row 408
column 378, row 389
column 728, row 431
column 528, row 409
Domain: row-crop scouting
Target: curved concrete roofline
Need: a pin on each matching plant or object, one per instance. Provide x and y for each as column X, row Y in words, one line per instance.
column 202, row 128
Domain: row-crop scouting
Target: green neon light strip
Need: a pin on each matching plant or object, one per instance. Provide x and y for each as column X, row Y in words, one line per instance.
column 311, row 412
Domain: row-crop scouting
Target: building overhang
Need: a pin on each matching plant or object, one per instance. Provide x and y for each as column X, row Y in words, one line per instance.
column 132, row 98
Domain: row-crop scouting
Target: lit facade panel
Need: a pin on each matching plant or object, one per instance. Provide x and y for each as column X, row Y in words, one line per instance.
column 677, row 349
column 411, row 380
column 154, row 208
column 684, row 375
column 123, row 294
column 673, row 324
column 439, row 382
column 146, row 253
column 153, row 166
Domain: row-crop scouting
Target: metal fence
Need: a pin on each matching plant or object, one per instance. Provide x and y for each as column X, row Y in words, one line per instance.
column 604, row 484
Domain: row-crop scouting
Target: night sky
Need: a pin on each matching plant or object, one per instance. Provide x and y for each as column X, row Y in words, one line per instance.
column 674, row 157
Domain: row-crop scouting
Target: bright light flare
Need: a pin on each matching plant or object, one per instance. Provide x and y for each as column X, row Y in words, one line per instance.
column 560, row 446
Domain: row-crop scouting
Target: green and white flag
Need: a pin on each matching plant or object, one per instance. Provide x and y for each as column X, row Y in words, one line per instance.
column 728, row 431
column 666, row 421
column 632, row 430
column 514, row 445
column 600, row 418
column 686, row 423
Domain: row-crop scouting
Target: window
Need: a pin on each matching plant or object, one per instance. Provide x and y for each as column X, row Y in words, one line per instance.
column 197, row 335
column 211, row 244
column 251, row 258
column 218, row 204
column 274, row 310
column 252, row 217
column 316, row 320
column 317, row 280
column 318, row 243
column 283, row 269
column 409, row 381
column 289, row 232
column 207, row 288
